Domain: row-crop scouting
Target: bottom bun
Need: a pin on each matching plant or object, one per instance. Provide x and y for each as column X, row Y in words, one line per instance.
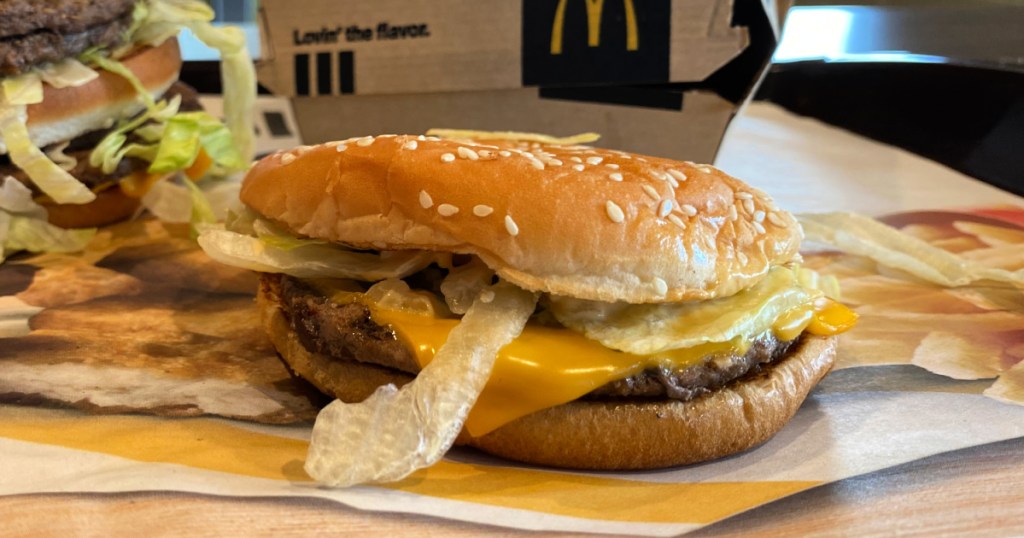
column 110, row 206
column 608, row 435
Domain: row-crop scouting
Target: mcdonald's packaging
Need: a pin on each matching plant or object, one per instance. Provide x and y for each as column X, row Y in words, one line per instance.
column 660, row 77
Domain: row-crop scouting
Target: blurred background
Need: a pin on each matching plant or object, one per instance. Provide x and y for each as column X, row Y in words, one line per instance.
column 941, row 78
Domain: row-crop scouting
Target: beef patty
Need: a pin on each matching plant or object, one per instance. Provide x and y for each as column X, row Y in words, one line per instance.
column 37, row 31
column 347, row 332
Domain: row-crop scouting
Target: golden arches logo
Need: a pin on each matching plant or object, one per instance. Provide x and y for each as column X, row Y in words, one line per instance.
column 594, row 10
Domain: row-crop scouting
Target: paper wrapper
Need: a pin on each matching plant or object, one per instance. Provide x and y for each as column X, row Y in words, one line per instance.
column 143, row 322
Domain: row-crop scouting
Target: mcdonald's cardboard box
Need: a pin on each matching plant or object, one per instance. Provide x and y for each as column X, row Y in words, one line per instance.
column 661, row 77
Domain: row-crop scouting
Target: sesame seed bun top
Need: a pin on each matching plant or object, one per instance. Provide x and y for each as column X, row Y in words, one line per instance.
column 569, row 220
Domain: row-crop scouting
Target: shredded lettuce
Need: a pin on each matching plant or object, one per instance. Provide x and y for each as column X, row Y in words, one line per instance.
column 26, row 89
column 310, row 260
column 23, row 224
column 184, row 134
column 61, row 159
column 645, row 329
column 164, row 18
column 17, row 198
column 172, row 200
column 67, row 73
column 201, row 214
column 50, row 178
column 100, row 59
column 109, row 152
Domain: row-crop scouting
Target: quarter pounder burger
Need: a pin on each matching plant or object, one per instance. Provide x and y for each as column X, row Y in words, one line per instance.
column 546, row 302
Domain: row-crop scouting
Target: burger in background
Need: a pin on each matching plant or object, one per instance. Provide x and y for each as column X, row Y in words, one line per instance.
column 93, row 118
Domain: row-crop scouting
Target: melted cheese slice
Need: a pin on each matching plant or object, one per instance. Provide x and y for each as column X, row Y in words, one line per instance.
column 548, row 366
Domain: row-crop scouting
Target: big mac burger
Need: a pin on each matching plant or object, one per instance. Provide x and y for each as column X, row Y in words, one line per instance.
column 540, row 300
column 92, row 115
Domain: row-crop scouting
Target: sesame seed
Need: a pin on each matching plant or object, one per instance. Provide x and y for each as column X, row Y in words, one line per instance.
column 652, row 192
column 467, row 153
column 578, row 167
column 576, row 159
column 665, row 208
column 612, row 166
column 641, row 159
column 748, row 206
column 688, row 209
column 554, row 162
column 733, row 214
column 775, row 219
column 744, row 195
column 486, row 154
column 365, row 141
column 671, row 180
column 533, row 161
column 679, row 176
column 447, row 158
column 333, row 143
column 341, row 148
column 677, row 221
column 410, row 145
column 505, row 153
column 614, row 211
column 510, row 226
column 482, row 210
column 594, row 161
column 425, row 200
column 287, row 158
column 758, row 216
column 625, row 156
column 615, row 176
column 421, row 138
column 299, row 150
column 759, row 227
column 447, row 210
column 486, row 296
column 705, row 169
column 660, row 176
column 660, row 286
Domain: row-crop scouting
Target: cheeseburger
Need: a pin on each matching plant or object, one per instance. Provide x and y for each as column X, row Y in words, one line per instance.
column 92, row 114
column 553, row 303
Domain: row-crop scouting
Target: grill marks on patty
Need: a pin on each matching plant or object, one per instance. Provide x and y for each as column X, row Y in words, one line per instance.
column 347, row 332
column 19, row 17
column 35, row 32
column 341, row 331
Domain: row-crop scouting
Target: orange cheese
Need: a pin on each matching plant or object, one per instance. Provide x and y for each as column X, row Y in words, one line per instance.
column 548, row 366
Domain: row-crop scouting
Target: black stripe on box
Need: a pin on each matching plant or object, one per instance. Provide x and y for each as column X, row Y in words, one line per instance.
column 323, row 73
column 346, row 71
column 302, row 74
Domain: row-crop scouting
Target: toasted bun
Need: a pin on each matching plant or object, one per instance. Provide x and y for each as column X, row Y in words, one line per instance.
column 110, row 206
column 601, row 434
column 626, row 228
column 66, row 113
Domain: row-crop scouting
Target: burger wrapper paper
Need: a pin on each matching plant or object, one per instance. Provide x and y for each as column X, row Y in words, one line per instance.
column 138, row 365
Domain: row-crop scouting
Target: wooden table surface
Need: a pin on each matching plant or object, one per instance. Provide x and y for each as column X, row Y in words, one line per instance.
column 975, row 492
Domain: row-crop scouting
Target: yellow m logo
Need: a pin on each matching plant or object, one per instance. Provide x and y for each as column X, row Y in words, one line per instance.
column 594, row 8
